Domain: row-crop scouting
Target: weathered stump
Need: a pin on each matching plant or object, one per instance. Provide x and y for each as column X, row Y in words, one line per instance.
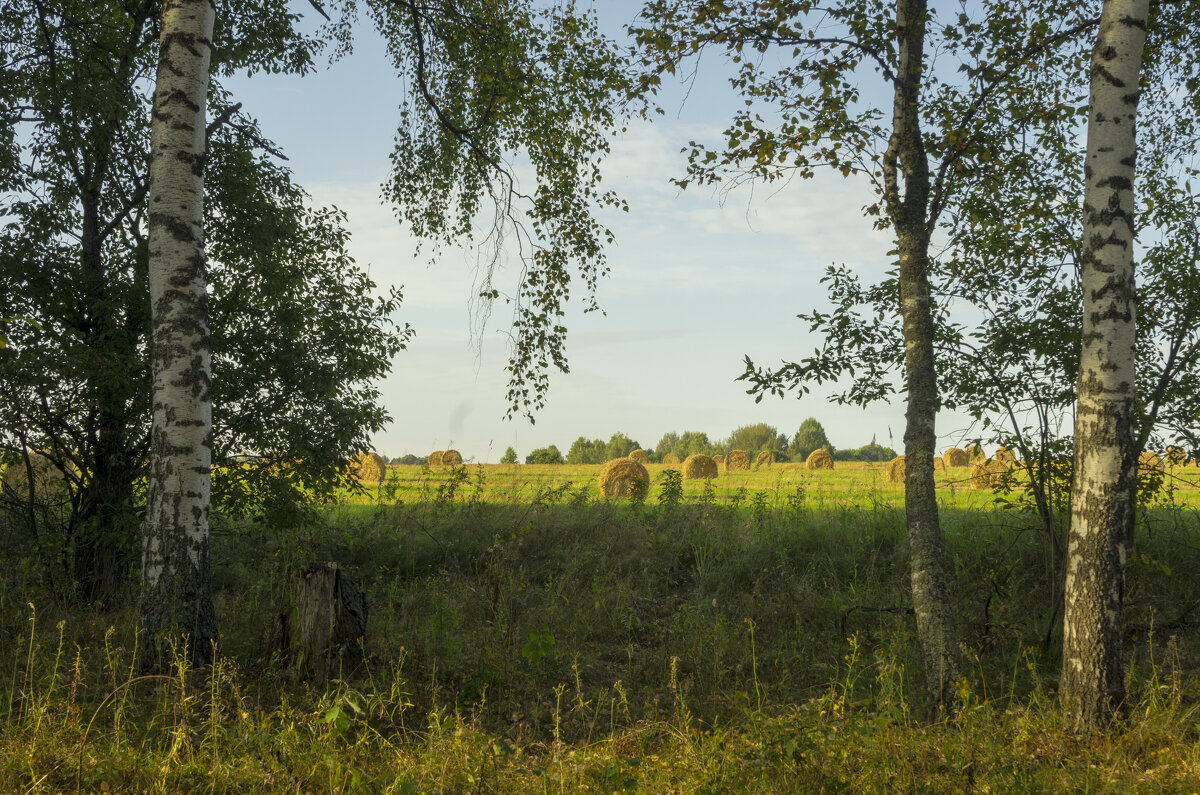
column 326, row 635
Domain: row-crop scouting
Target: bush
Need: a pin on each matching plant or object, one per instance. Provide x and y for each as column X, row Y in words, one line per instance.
column 545, row 455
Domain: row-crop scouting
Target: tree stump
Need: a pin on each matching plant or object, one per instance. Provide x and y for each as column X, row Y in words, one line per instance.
column 330, row 624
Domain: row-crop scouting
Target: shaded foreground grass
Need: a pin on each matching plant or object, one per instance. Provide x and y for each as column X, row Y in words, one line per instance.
column 698, row 642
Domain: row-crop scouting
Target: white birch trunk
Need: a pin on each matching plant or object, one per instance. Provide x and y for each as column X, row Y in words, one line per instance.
column 1092, row 683
column 177, row 591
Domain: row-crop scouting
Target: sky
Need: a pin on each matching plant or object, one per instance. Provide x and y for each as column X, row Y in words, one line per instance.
column 698, row 279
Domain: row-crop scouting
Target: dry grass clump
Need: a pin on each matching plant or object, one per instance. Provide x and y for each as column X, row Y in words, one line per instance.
column 618, row 475
column 641, row 456
column 435, row 458
column 1175, row 455
column 764, row 459
column 737, row 461
column 819, row 459
column 986, row 474
column 451, row 458
column 670, row 458
column 718, row 459
column 1149, row 462
column 956, row 457
column 895, row 472
column 698, row 466
column 368, row 467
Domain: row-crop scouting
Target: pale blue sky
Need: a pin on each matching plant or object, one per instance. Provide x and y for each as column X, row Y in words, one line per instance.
column 696, row 283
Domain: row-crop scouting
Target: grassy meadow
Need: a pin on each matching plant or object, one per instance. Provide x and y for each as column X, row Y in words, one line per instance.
column 752, row 634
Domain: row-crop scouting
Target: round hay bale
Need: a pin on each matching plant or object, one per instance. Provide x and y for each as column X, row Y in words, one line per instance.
column 49, row 484
column 956, row 457
column 737, row 461
column 819, row 459
column 368, row 467
column 1175, row 456
column 435, row 458
column 1005, row 455
column 451, row 458
column 895, row 472
column 641, row 456
column 698, row 466
column 764, row 459
column 939, row 463
column 671, row 458
column 987, row 474
column 618, row 475
column 718, row 459
column 1149, row 463
column 976, row 455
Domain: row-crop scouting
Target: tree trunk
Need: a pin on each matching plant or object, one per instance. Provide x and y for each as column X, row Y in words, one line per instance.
column 330, row 625
column 908, row 208
column 176, row 581
column 1092, row 683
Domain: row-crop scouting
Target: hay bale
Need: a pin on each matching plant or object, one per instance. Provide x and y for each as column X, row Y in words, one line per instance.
column 618, row 475
column 671, row 458
column 1149, row 463
column 895, row 472
column 737, row 461
column 987, row 474
column 435, row 458
column 451, row 458
column 641, row 456
column 819, row 459
column 764, row 459
column 698, row 466
column 1005, row 455
column 956, row 457
column 1175, row 456
column 718, row 459
column 976, row 455
column 368, row 467
column 939, row 463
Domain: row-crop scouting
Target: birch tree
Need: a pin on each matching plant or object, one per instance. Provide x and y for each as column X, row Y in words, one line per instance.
column 1092, row 683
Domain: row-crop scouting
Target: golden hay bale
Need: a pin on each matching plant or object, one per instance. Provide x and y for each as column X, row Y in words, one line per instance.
column 895, row 472
column 737, row 461
column 819, row 459
column 718, row 459
column 956, row 457
column 451, row 458
column 641, row 456
column 1149, row 462
column 764, row 459
column 618, row 475
column 49, row 485
column 698, row 466
column 435, row 458
column 1005, row 455
column 986, row 474
column 976, row 454
column 368, row 467
column 670, row 458
column 1175, row 456
column 939, row 463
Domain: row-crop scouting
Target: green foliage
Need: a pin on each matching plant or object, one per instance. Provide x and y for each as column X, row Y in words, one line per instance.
column 757, row 438
column 545, row 455
column 509, row 457
column 596, row 451
column 670, row 494
column 683, row 445
column 868, row 452
column 808, row 437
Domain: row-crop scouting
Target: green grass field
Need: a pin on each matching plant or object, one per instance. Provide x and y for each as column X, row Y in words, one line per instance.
column 527, row 636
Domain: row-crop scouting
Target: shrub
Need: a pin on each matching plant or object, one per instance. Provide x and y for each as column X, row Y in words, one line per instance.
column 765, row 458
column 956, row 457
column 641, row 456
column 895, row 472
column 698, row 466
column 368, row 467
column 435, row 458
column 819, row 459
column 737, row 461
column 509, row 457
column 670, row 458
column 545, row 455
column 617, row 477
column 451, row 458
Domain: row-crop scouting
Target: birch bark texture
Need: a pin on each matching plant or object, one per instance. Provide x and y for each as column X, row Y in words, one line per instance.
column 176, row 583
column 1092, row 683
column 906, row 176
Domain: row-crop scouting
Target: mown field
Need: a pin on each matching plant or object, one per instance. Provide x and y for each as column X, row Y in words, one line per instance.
column 526, row 635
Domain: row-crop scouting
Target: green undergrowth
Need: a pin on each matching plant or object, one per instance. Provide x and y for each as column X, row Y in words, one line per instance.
column 563, row 643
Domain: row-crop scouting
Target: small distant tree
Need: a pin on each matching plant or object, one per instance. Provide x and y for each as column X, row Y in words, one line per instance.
column 545, row 455
column 810, row 436
column 586, row 451
column 666, row 444
column 619, row 446
column 757, row 438
column 509, row 457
